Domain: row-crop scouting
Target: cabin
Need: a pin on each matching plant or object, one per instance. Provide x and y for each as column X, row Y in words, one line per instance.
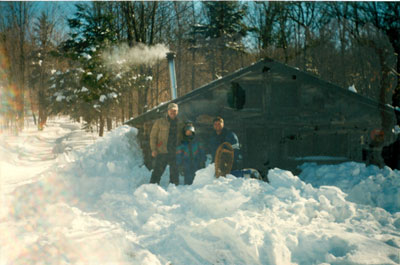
column 283, row 118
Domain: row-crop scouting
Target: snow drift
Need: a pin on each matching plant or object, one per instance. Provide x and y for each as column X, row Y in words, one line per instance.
column 95, row 207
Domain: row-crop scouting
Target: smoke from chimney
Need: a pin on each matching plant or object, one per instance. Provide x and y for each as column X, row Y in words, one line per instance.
column 140, row 54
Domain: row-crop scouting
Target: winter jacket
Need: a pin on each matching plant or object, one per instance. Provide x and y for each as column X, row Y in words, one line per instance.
column 160, row 132
column 191, row 156
column 226, row 136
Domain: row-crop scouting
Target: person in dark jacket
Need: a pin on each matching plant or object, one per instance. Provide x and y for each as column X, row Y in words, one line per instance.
column 164, row 138
column 190, row 155
column 221, row 135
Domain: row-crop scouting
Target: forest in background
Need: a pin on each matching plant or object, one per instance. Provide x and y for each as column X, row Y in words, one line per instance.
column 104, row 62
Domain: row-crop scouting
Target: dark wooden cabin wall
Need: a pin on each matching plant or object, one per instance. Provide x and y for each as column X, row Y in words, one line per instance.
column 287, row 117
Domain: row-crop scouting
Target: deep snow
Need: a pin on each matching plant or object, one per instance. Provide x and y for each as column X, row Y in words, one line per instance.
column 68, row 197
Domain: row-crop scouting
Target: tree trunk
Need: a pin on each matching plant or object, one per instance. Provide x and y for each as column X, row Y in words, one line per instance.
column 42, row 118
column 142, row 100
column 122, row 110
column 152, row 25
column 32, row 103
column 22, row 27
column 109, row 124
column 101, row 126
column 193, row 69
column 130, row 105
column 127, row 8
column 396, row 92
column 385, row 87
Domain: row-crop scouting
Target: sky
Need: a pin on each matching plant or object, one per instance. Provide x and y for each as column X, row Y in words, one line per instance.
column 63, row 9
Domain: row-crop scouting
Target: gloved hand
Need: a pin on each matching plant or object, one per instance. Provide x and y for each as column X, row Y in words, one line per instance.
column 202, row 164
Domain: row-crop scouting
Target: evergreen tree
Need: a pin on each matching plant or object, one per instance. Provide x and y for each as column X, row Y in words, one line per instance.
column 65, row 89
column 92, row 31
column 225, row 29
column 41, row 64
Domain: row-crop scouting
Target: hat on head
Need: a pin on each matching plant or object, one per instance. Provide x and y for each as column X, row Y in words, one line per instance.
column 189, row 127
column 218, row 118
column 172, row 106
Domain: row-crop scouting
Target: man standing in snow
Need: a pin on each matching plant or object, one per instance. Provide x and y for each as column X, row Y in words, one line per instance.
column 164, row 137
column 220, row 135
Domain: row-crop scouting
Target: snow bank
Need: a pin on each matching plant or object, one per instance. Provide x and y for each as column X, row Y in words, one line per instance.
column 113, row 163
column 364, row 184
column 40, row 222
column 97, row 208
column 230, row 220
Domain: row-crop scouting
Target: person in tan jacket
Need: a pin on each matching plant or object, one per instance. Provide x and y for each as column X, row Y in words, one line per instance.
column 164, row 138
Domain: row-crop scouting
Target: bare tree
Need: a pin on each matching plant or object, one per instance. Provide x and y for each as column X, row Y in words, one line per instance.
column 375, row 27
column 16, row 18
column 140, row 22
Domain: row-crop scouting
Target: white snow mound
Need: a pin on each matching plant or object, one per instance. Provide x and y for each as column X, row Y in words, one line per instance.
column 97, row 208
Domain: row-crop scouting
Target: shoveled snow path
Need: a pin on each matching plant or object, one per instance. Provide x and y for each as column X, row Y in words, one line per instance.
column 39, row 220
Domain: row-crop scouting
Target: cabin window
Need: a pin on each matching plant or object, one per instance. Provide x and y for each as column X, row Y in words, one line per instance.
column 246, row 96
column 236, row 96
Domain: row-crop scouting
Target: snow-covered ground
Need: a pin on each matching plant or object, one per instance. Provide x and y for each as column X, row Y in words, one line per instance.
column 68, row 197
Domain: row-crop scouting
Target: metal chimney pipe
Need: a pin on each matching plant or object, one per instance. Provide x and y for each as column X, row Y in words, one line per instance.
column 171, row 63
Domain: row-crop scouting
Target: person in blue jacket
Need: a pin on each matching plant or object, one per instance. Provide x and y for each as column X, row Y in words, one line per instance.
column 222, row 134
column 190, row 154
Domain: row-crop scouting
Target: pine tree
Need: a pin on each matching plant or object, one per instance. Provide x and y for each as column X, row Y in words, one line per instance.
column 92, row 32
column 41, row 64
column 225, row 29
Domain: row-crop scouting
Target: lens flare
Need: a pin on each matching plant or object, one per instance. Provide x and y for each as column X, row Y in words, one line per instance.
column 10, row 95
